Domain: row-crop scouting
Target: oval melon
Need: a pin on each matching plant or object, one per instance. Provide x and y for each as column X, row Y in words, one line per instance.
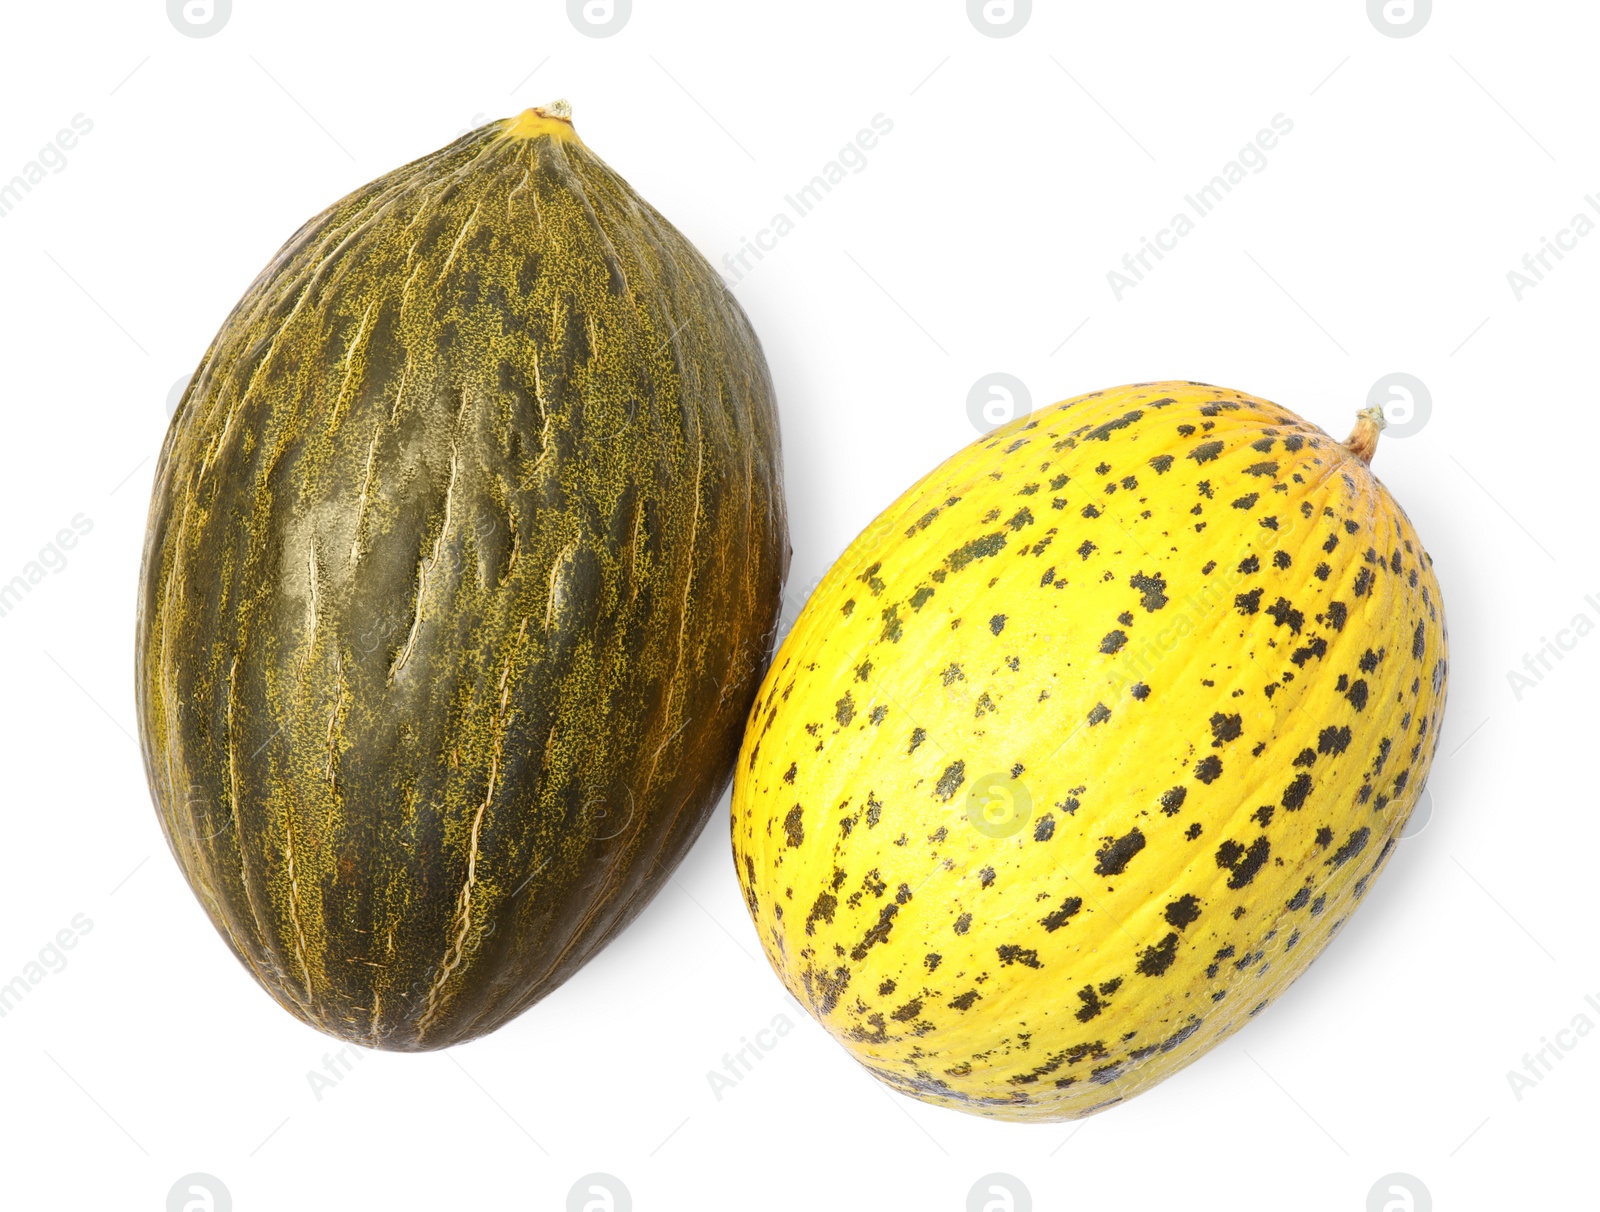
column 1085, row 749
column 464, row 554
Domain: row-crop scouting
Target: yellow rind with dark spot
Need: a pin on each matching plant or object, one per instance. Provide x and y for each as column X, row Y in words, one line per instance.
column 464, row 556
column 1088, row 745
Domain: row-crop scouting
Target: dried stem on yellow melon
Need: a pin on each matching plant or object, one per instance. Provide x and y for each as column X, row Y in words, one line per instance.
column 1363, row 439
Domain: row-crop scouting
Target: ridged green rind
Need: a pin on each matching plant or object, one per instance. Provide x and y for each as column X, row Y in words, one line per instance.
column 464, row 555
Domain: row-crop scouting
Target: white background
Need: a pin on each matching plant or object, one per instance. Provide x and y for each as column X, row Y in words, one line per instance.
column 977, row 239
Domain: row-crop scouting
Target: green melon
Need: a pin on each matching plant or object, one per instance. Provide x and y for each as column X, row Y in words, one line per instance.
column 464, row 558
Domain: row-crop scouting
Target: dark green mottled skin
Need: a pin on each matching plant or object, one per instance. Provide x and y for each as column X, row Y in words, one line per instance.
column 464, row 554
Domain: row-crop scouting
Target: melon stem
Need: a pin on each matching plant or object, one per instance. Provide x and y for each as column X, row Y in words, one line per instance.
column 1363, row 439
column 554, row 119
